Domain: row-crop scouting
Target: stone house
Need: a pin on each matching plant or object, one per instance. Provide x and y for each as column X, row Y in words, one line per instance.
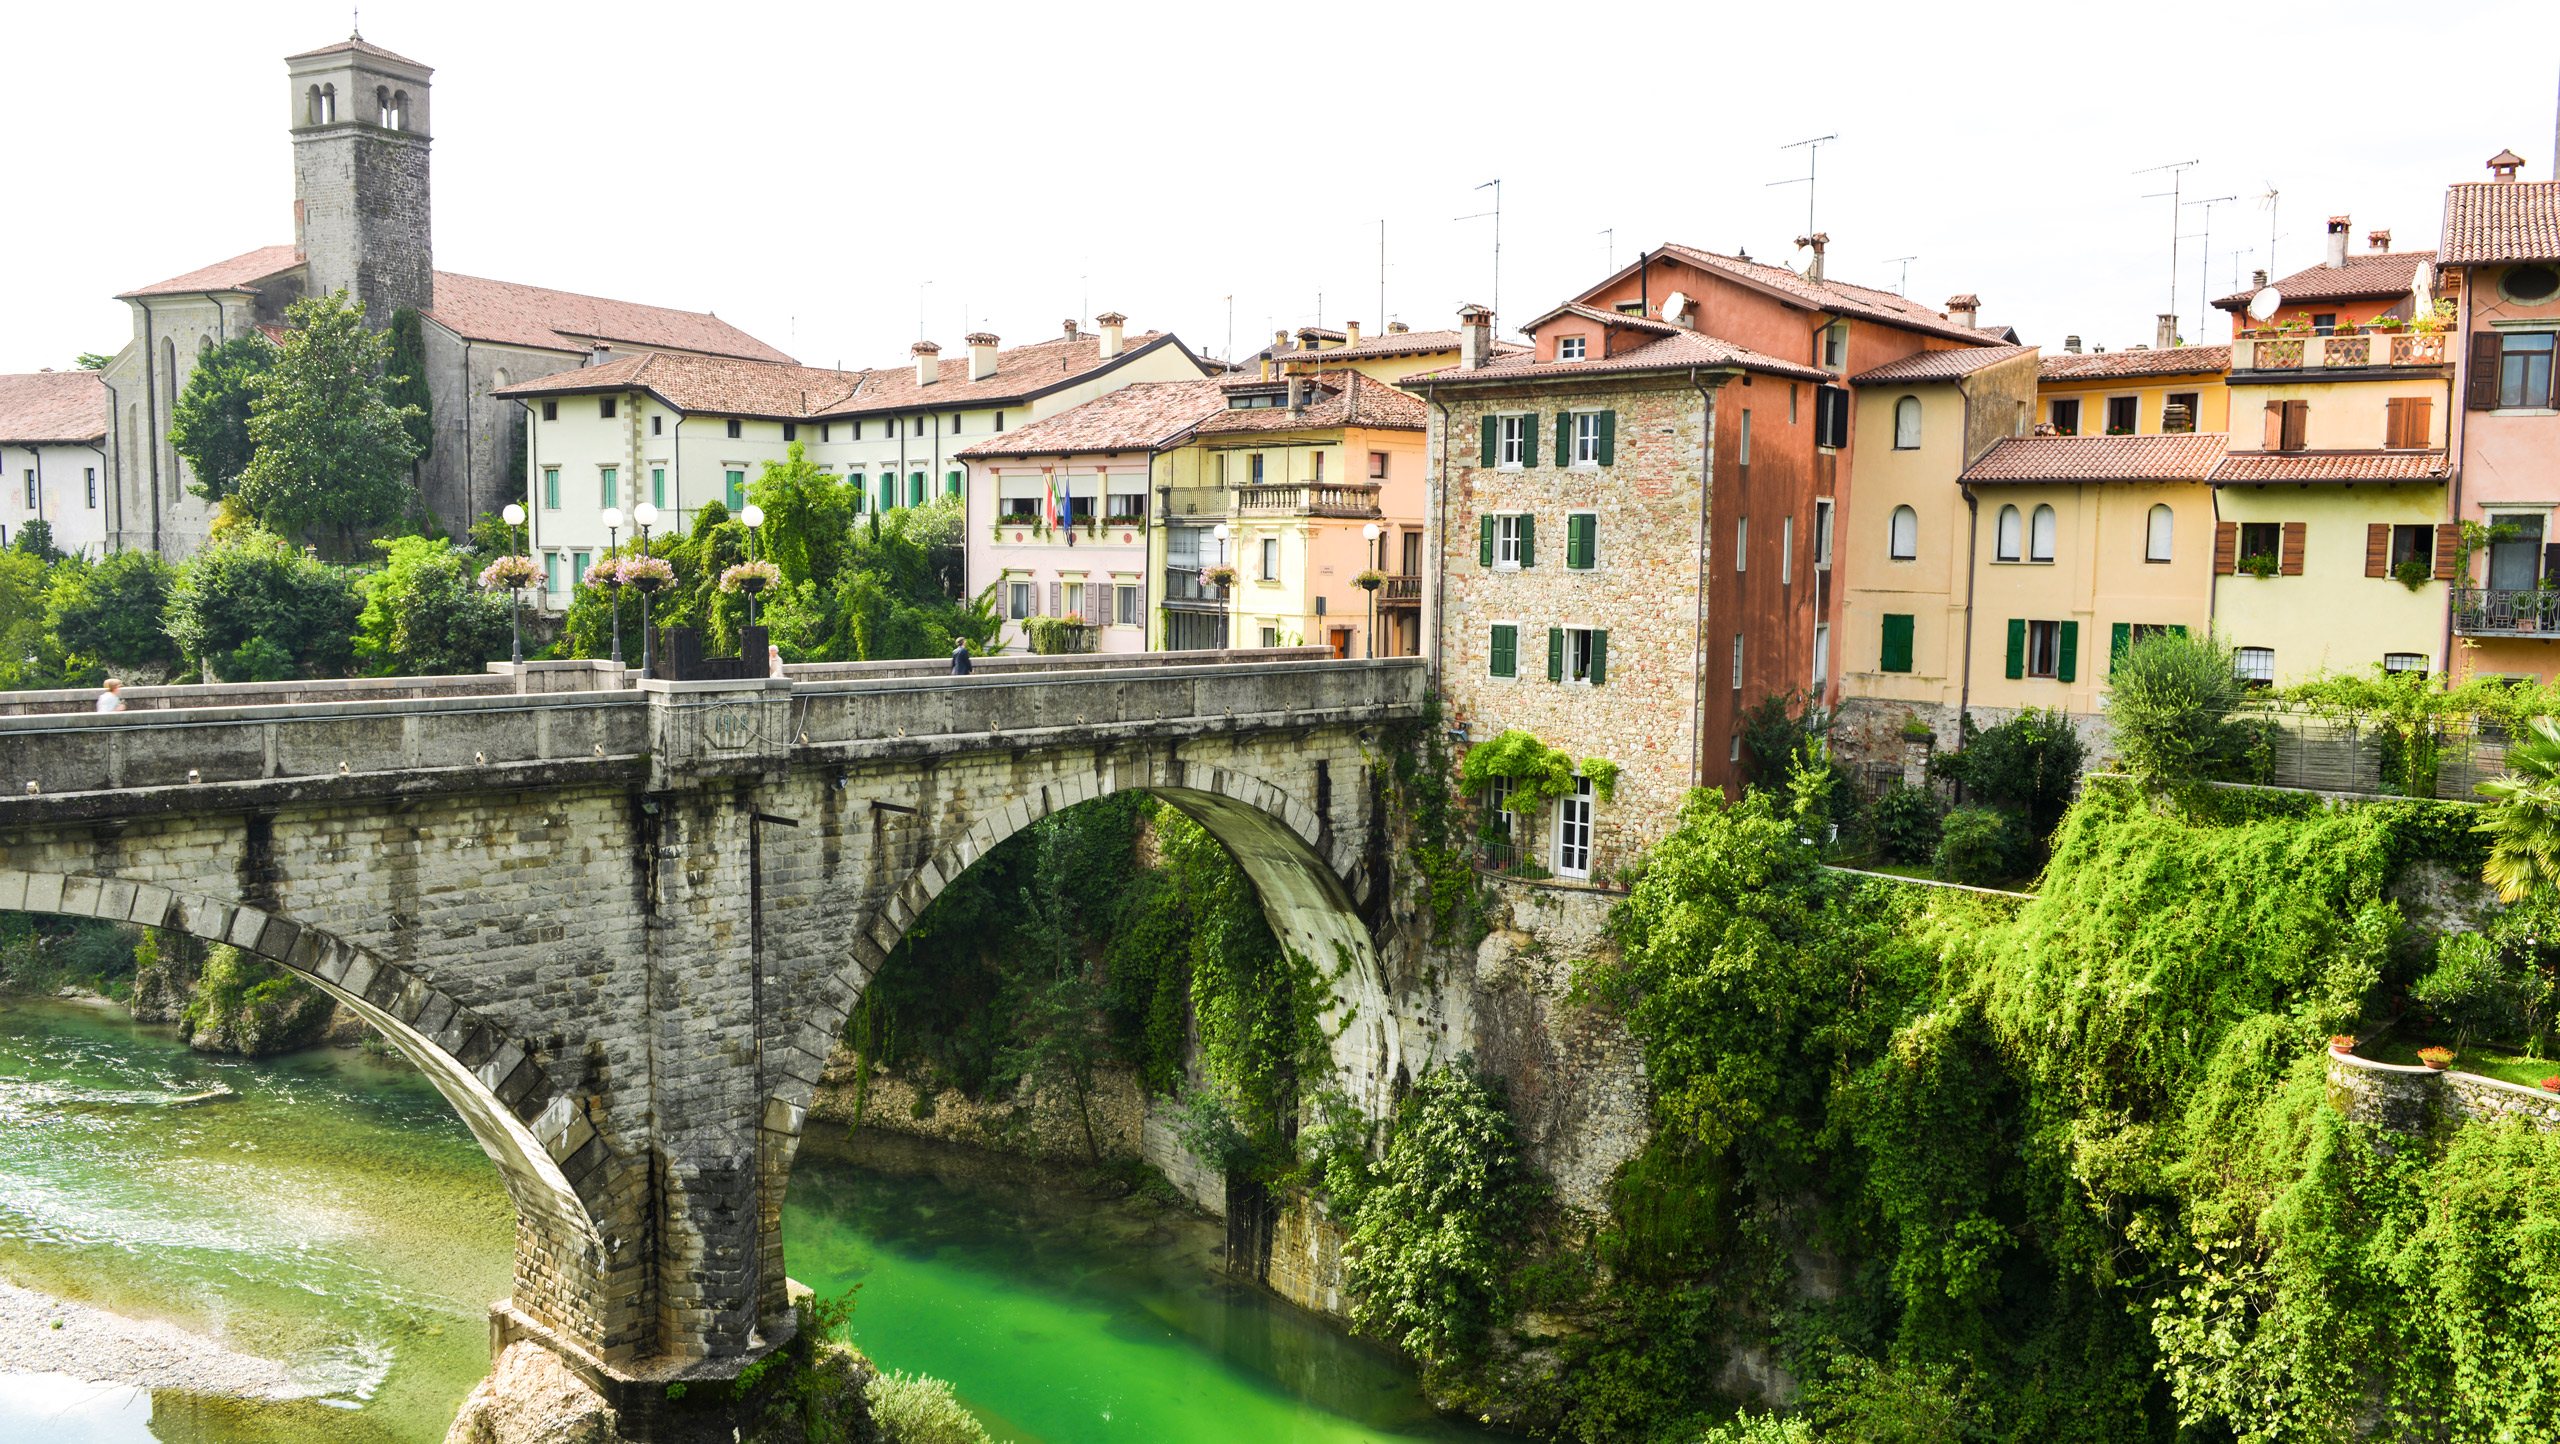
column 53, row 458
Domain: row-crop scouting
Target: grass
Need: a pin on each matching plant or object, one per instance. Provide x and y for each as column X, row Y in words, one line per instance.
column 2480, row 1058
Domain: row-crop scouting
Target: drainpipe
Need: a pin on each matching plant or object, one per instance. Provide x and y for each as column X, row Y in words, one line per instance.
column 2456, row 436
column 221, row 322
column 1439, row 564
column 115, row 477
column 109, row 473
column 1972, row 541
column 2213, row 582
column 1698, row 622
column 678, row 451
column 151, row 414
column 470, row 440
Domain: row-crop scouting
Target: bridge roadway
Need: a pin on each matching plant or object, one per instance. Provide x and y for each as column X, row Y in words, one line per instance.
column 621, row 925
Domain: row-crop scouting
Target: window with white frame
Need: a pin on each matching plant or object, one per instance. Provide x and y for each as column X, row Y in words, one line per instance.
column 2405, row 662
column 2040, row 536
column 1017, row 600
column 1573, row 831
column 1569, row 348
column 1124, row 606
column 1507, row 531
column 1786, row 550
column 2255, row 666
column 1581, row 655
column 2008, row 536
column 2162, row 534
column 1271, row 559
column 1586, row 438
column 1822, row 535
column 1906, row 424
column 1737, row 661
column 1742, row 544
column 1511, row 434
column 1124, row 505
column 1835, row 345
column 1903, row 535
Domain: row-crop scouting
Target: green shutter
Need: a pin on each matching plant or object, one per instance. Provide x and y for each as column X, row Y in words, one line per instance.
column 888, row 491
column 1484, row 542
column 737, row 490
column 1608, row 438
column 1599, row 656
column 2119, row 641
column 551, row 491
column 1506, row 645
column 1529, row 439
column 1492, row 449
column 2017, row 647
column 2069, row 670
column 1564, row 438
column 1555, row 654
column 1580, row 540
column 951, row 483
column 1897, row 643
column 1528, row 540
column 2178, row 629
column 609, row 486
column 658, row 486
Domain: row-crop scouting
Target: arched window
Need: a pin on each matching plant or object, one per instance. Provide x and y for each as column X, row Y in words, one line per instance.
column 169, row 372
column 382, row 106
column 1906, row 424
column 311, row 107
column 498, row 380
column 2005, row 543
column 204, row 345
column 2163, row 525
column 328, row 105
column 2040, row 538
column 399, row 110
column 1905, row 534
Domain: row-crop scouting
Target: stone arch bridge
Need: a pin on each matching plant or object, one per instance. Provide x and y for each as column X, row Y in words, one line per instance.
column 621, row 926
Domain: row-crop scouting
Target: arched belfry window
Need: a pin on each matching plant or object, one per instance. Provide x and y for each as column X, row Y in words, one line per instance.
column 382, row 106
column 311, row 107
column 328, row 105
column 399, row 110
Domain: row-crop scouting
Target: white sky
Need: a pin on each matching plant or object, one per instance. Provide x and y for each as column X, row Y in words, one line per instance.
column 816, row 173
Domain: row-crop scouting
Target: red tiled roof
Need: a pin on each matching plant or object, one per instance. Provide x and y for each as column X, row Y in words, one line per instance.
column 236, row 274
column 2501, row 221
column 1679, row 351
column 1356, row 400
column 1136, row 417
column 536, row 316
column 719, row 385
column 1394, row 343
column 1829, row 295
column 1627, row 319
column 1939, row 365
column 2168, row 361
column 2184, row 457
column 2297, row 466
column 1022, row 373
column 2373, row 276
column 48, row 406
column 360, row 45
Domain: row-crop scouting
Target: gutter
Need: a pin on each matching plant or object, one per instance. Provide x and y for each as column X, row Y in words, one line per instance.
column 99, row 447
column 1698, row 622
column 1439, row 563
column 1972, row 545
column 151, row 411
column 2457, row 434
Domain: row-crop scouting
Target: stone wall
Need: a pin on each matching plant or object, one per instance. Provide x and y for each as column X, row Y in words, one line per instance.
column 2414, row 1099
column 1047, row 1125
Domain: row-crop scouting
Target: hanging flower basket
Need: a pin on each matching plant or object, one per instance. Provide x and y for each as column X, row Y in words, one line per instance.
column 1217, row 576
column 2435, row 1057
column 650, row 575
column 750, row 577
column 1370, row 581
column 605, row 573
column 510, row 572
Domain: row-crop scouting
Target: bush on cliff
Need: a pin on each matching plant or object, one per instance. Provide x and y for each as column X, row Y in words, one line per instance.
column 245, row 1004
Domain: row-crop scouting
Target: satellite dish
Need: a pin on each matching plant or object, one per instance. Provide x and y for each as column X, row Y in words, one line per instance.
column 1672, row 306
column 2263, row 304
column 2422, row 287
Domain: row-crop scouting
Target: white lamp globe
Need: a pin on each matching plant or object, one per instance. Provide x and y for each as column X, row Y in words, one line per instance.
column 514, row 514
column 753, row 515
column 1220, row 532
column 612, row 518
column 1371, row 531
column 645, row 514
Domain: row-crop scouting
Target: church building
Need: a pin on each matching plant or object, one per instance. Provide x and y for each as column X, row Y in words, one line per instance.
column 361, row 125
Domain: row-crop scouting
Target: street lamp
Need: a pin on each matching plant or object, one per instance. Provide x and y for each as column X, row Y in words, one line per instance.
column 1372, row 532
column 514, row 515
column 1220, row 532
column 645, row 516
column 753, row 516
column 612, row 520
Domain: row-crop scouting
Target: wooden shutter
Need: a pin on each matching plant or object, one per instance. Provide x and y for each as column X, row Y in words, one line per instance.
column 1897, row 643
column 1564, row 438
column 2395, row 428
column 1057, row 602
column 1097, row 603
column 1608, row 438
column 2067, row 666
column 2273, row 439
column 2487, row 351
column 2448, row 548
column 1506, row 642
column 2290, row 563
column 1484, row 542
column 2418, row 415
column 2377, row 544
column 1529, row 439
column 1491, row 451
column 2119, row 642
column 1599, row 656
column 1555, row 654
column 2017, row 647
column 2226, row 548
column 1581, row 541
column 1528, row 540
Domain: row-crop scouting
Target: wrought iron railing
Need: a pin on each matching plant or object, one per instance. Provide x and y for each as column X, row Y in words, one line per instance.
column 2490, row 611
column 1606, row 864
column 1183, row 584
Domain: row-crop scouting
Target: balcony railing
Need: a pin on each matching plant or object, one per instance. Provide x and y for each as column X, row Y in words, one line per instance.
column 1355, row 499
column 2305, row 353
column 1207, row 502
column 1183, row 584
column 1401, row 592
column 2491, row 612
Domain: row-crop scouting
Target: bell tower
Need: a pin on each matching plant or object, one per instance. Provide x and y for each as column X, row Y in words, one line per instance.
column 360, row 213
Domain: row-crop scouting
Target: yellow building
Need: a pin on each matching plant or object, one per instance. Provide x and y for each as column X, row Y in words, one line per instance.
column 2134, row 393
column 1401, row 352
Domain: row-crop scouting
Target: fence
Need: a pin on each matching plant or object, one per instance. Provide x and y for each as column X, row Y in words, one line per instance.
column 2324, row 754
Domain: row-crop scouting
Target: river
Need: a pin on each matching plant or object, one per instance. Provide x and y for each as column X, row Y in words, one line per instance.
column 333, row 1215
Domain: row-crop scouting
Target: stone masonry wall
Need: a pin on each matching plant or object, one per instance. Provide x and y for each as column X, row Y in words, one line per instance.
column 2414, row 1099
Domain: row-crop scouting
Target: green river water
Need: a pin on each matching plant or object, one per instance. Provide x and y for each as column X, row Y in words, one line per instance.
column 337, row 1217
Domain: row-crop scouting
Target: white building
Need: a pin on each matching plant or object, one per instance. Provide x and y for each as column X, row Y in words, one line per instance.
column 53, row 455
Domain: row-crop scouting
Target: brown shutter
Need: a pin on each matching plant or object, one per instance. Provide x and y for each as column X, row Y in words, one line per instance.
column 2486, row 352
column 2297, row 424
column 2274, row 439
column 2395, row 423
column 2418, row 414
column 2448, row 547
column 2226, row 548
column 2290, row 564
column 2377, row 546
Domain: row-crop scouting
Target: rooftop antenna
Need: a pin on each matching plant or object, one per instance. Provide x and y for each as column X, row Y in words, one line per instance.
column 920, row 286
column 1382, row 277
column 2267, row 202
column 2177, row 170
column 1903, row 286
column 1612, row 233
column 2235, row 264
column 2204, row 268
column 1496, row 213
column 1812, row 157
column 1230, row 357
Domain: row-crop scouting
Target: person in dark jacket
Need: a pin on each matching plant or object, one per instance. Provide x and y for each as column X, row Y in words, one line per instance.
column 960, row 658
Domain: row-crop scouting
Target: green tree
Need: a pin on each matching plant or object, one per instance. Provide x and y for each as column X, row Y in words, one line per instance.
column 808, row 518
column 35, row 539
column 2524, row 816
column 2029, row 765
column 111, row 610
column 404, row 382
column 425, row 613
column 2169, row 703
column 332, row 453
column 255, row 608
column 210, row 424
column 1060, row 1040
column 95, row 361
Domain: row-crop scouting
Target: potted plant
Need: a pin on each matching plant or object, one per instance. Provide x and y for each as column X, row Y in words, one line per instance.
column 649, row 575
column 510, row 572
column 1915, row 730
column 607, row 572
column 2414, row 573
column 2435, row 1056
column 2342, row 1043
column 2262, row 565
column 1370, row 581
column 750, row 577
column 1221, row 577
column 2551, row 1085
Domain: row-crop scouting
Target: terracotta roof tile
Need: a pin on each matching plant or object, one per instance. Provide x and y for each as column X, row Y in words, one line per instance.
column 1939, row 365
column 1021, row 373
column 362, row 46
column 1629, row 320
column 1394, row 343
column 1829, row 295
column 539, row 317
column 2373, row 276
column 1676, row 352
column 2501, row 221
column 716, row 385
column 1136, row 417
column 69, row 406
column 2169, row 361
column 2185, row 457
column 240, row 273
column 2297, row 466
column 1350, row 400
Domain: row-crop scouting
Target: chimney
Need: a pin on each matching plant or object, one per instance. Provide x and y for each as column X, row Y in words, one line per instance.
column 1266, row 368
column 2258, row 278
column 1817, row 240
column 1112, row 324
column 2378, row 241
column 1297, row 392
column 2071, row 345
column 928, row 362
column 1397, row 328
column 1279, row 340
column 2166, row 338
column 2337, row 243
column 1475, row 337
column 982, row 355
column 2502, row 166
column 602, row 353
column 1351, row 329
column 1963, row 309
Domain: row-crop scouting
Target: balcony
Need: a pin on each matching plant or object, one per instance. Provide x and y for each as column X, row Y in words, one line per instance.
column 1358, row 500
column 1183, row 588
column 1401, row 592
column 2339, row 353
column 2489, row 612
column 1181, row 503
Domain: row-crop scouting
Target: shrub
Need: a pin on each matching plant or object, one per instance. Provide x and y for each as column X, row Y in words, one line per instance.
column 2029, row 764
column 1973, row 845
column 1903, row 823
column 111, row 611
column 252, row 586
column 914, row 1409
column 2170, row 699
column 1771, row 1428
column 424, row 614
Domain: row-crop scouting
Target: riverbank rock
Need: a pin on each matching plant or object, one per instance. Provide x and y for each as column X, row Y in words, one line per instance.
column 249, row 1006
column 529, row 1398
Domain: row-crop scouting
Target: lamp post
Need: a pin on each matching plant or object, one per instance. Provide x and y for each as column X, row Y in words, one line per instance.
column 645, row 516
column 1220, row 532
column 612, row 519
column 514, row 516
column 753, row 516
column 1372, row 532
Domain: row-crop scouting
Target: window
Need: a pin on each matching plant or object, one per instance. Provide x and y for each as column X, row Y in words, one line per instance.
column 1577, row 654
column 1586, row 438
column 1581, row 544
column 608, row 486
column 550, row 410
column 1821, row 656
column 1377, row 466
column 2515, row 558
column 658, row 486
column 1742, row 446
column 1124, row 606
column 2008, row 536
column 1742, row 544
column 2530, row 284
column 1791, row 403
column 1831, row 416
column 1508, row 540
column 857, row 431
column 1786, row 550
column 2524, row 370
column 1903, row 535
column 2325, row 322
column 2408, row 423
column 955, row 423
column 1737, row 661
column 551, row 571
column 1318, row 478
column 951, row 484
column 1125, row 505
column 1822, row 535
column 1573, row 831
column 736, row 496
column 1505, row 651
column 1569, row 348
column 915, row 491
column 1017, row 600
column 1514, row 438
column 1896, row 655
column 551, row 488
column 2044, row 649
column 999, row 423
column 1835, row 345
column 2288, row 423
column 1906, row 424
column 2178, row 413
column 1253, row 469
column 791, row 431
column 2040, row 536
column 733, row 428
column 657, row 425
column 2065, row 416
column 33, row 504
column 605, row 406
column 1271, row 636
column 2261, row 539
column 888, row 491
column 2122, row 415
column 89, row 475
column 2405, row 662
column 2160, row 535
column 2255, row 666
column 1271, row 559
column 578, row 564
column 2408, row 544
